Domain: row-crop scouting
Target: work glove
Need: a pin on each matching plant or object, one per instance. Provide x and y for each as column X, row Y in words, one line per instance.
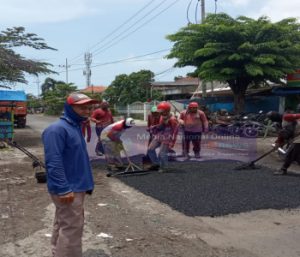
column 157, row 128
column 67, row 198
column 279, row 142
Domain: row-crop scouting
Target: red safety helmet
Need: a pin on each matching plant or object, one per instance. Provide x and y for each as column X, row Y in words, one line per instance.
column 193, row 105
column 163, row 107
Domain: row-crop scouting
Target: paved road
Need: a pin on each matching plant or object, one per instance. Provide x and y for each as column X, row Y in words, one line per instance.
column 39, row 122
column 135, row 141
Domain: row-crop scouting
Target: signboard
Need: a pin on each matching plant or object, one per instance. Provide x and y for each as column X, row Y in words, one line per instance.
column 293, row 79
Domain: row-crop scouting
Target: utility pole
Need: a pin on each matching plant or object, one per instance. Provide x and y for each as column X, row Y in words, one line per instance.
column 202, row 10
column 87, row 72
column 216, row 6
column 65, row 66
column 38, row 86
column 202, row 21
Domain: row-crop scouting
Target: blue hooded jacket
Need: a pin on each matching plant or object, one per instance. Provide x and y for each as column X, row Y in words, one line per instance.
column 66, row 157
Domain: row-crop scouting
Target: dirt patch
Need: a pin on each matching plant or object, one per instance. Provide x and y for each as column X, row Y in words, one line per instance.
column 114, row 209
column 123, row 222
column 22, row 200
column 27, row 137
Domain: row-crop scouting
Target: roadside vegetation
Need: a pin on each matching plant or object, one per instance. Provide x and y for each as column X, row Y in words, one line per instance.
column 242, row 52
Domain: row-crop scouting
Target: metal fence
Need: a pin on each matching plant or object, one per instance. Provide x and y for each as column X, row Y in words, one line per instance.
column 140, row 110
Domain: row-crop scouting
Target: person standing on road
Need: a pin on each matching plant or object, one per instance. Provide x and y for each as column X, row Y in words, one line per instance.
column 165, row 134
column 69, row 174
column 102, row 117
column 291, row 129
column 194, row 123
column 112, row 143
column 153, row 120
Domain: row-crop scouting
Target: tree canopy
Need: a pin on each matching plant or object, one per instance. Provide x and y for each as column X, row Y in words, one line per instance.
column 241, row 51
column 55, row 98
column 13, row 66
column 126, row 89
column 49, row 84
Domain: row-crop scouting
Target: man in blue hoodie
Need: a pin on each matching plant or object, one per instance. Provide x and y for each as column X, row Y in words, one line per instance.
column 69, row 175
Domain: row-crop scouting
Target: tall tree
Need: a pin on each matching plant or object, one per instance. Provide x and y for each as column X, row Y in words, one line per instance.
column 130, row 88
column 49, row 84
column 13, row 66
column 240, row 51
column 54, row 99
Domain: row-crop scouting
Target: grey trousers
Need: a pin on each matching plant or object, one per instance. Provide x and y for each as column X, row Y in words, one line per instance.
column 112, row 153
column 68, row 227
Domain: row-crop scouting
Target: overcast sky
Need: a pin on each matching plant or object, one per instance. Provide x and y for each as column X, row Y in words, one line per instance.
column 118, row 30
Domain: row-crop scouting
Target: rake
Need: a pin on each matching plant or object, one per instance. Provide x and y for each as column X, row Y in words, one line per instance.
column 131, row 168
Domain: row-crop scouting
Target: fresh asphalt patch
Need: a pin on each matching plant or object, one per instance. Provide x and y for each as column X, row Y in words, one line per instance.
column 215, row 188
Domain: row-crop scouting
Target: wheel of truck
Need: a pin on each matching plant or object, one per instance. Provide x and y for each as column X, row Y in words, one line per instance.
column 21, row 123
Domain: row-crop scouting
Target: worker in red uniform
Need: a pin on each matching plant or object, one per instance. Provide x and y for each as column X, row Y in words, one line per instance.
column 102, row 117
column 153, row 120
column 164, row 137
column 194, row 123
column 292, row 124
column 112, row 143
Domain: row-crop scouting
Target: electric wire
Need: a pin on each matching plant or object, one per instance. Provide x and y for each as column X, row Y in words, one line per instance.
column 187, row 12
column 164, row 71
column 165, row 9
column 116, row 29
column 196, row 12
column 116, row 37
column 119, row 61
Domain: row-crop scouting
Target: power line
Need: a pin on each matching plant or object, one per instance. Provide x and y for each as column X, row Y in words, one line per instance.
column 187, row 12
column 116, row 29
column 164, row 71
column 169, row 6
column 196, row 12
column 123, row 60
column 120, row 61
column 122, row 33
column 67, row 67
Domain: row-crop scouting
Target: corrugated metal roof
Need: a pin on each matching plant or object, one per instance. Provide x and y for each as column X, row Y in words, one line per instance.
column 12, row 95
column 173, row 83
column 284, row 91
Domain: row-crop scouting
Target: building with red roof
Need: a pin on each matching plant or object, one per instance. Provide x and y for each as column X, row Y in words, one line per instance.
column 94, row 89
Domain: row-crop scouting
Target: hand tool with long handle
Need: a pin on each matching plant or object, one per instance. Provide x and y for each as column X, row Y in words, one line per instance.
column 38, row 165
column 131, row 169
column 251, row 165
